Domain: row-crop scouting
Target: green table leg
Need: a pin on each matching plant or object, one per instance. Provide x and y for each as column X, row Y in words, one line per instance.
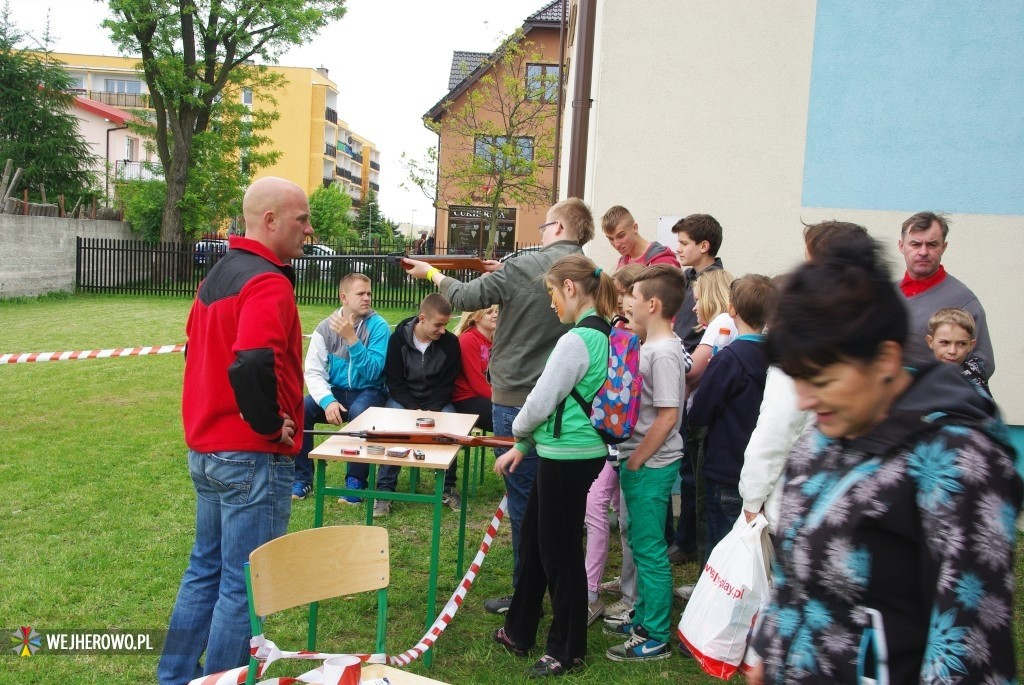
column 466, row 452
column 371, row 478
column 318, row 521
column 435, row 553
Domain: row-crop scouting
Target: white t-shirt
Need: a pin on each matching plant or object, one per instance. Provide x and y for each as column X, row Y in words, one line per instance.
column 721, row 321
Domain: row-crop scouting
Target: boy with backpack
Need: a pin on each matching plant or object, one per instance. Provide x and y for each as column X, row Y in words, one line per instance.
column 648, row 467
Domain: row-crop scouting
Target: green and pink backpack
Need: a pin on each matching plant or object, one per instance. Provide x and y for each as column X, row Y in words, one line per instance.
column 615, row 408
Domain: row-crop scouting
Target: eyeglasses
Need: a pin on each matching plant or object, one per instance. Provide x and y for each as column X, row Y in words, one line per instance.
column 543, row 226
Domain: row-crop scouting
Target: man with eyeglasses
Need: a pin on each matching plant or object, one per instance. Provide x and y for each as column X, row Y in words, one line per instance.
column 527, row 331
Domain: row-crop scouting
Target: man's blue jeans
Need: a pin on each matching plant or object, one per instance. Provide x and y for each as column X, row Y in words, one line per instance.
column 518, row 484
column 243, row 499
column 387, row 476
column 355, row 402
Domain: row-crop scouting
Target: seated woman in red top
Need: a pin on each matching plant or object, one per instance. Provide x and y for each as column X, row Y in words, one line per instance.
column 472, row 393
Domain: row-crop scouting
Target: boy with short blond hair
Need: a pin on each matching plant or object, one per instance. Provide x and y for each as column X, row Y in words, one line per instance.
column 649, row 464
column 951, row 339
column 728, row 403
column 623, row 233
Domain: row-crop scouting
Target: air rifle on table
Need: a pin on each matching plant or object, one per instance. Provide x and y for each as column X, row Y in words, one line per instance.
column 448, row 261
column 425, row 438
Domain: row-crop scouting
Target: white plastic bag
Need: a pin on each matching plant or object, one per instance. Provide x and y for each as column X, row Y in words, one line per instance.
column 727, row 599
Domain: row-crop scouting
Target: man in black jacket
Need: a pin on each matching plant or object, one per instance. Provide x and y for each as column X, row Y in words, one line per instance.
column 423, row 361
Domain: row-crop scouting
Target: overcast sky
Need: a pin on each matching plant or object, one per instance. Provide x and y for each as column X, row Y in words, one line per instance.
column 390, row 59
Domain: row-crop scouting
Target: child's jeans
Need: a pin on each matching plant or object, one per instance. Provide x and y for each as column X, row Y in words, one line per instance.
column 723, row 505
column 604, row 492
column 647, row 492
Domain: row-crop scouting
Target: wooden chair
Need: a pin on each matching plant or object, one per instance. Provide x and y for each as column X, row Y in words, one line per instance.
column 320, row 563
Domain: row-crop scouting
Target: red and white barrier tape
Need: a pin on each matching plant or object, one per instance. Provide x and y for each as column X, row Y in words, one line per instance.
column 26, row 357
column 267, row 652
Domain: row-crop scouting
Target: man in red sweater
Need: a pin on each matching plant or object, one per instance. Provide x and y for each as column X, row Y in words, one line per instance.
column 623, row 233
column 242, row 410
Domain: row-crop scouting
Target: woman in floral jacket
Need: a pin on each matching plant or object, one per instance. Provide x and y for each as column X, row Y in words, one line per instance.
column 896, row 541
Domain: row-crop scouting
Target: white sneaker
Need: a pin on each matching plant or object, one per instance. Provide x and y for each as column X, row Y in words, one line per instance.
column 684, row 592
column 612, row 585
column 620, row 607
column 620, row 619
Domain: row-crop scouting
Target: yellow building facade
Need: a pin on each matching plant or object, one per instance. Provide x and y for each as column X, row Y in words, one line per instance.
column 317, row 147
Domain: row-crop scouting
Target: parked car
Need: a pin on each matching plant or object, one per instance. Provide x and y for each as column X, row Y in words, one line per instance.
column 207, row 252
column 322, row 262
column 313, row 265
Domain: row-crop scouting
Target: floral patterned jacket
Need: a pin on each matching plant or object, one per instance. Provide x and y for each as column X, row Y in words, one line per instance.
column 895, row 552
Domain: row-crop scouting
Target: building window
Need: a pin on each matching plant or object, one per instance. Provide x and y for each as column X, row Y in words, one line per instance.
column 501, row 155
column 468, row 230
column 131, row 149
column 542, row 81
column 247, row 96
column 118, row 86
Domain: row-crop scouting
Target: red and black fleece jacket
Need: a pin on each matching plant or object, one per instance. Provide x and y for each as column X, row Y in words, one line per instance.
column 243, row 360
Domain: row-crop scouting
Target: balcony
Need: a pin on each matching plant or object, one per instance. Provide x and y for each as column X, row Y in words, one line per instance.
column 129, row 100
column 358, row 156
column 357, row 203
column 125, row 170
column 330, row 150
column 357, row 180
column 374, row 187
column 346, row 149
column 374, row 165
column 345, row 173
column 328, row 182
column 331, row 115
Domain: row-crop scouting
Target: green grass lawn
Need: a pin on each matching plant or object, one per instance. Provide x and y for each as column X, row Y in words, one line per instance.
column 99, row 512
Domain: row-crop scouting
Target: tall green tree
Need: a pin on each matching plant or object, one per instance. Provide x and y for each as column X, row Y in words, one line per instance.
column 503, row 129
column 38, row 127
column 191, row 50
column 224, row 159
column 371, row 222
column 328, row 213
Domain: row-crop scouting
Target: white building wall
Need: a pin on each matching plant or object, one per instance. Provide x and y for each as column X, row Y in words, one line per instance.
column 703, row 107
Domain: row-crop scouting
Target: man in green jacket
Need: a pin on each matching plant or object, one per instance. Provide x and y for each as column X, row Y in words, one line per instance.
column 527, row 331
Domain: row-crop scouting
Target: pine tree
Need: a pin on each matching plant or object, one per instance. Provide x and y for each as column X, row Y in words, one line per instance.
column 38, row 127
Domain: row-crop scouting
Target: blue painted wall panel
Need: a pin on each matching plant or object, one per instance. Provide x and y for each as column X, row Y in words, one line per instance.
column 917, row 105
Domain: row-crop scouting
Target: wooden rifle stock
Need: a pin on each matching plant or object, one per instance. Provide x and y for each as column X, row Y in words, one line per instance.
column 425, row 438
column 441, row 261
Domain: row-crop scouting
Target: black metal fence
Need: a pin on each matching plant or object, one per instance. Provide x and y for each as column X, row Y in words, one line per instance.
column 175, row 269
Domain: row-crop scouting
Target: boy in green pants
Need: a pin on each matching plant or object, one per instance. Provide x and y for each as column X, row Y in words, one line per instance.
column 649, row 468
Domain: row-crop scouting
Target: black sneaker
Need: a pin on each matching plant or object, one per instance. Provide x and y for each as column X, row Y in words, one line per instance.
column 548, row 666
column 498, row 605
column 505, row 641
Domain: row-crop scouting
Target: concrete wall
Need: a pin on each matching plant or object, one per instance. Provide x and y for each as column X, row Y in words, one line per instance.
column 37, row 254
column 729, row 107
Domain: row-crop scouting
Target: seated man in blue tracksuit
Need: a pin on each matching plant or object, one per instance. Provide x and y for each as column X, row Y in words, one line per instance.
column 423, row 361
column 344, row 374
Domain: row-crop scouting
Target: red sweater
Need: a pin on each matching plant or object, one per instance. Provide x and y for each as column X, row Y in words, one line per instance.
column 243, row 361
column 476, row 355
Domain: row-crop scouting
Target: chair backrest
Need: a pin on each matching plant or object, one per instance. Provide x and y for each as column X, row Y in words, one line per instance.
column 319, row 563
